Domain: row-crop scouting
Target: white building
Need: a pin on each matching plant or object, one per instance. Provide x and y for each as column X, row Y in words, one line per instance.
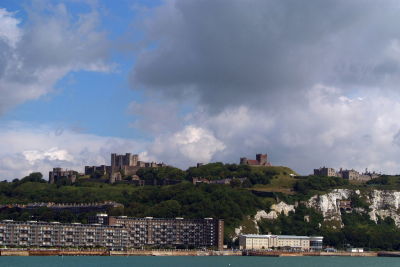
column 258, row 242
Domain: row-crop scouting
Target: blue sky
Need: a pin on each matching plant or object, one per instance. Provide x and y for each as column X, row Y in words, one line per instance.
column 187, row 81
column 91, row 102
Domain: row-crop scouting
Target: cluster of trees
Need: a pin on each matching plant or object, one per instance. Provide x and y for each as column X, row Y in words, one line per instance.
column 304, row 221
column 211, row 171
column 218, row 170
column 162, row 173
column 308, row 184
column 180, row 200
column 382, row 180
column 360, row 231
column 33, row 177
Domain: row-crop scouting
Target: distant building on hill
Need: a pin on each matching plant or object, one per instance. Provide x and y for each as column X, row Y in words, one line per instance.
column 128, row 164
column 59, row 173
column 351, row 175
column 225, row 181
column 261, row 160
column 101, row 170
column 121, row 165
column 356, row 176
column 324, row 171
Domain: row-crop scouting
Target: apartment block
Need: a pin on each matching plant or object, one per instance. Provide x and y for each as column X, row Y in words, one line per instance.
column 115, row 233
column 45, row 234
column 149, row 231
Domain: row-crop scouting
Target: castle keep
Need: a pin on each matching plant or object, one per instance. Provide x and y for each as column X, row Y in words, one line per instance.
column 261, row 160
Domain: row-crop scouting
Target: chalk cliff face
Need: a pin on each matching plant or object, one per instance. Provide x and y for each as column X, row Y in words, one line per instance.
column 327, row 204
column 276, row 209
column 382, row 203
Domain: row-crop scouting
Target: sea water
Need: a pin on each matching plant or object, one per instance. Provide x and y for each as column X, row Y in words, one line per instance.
column 194, row 261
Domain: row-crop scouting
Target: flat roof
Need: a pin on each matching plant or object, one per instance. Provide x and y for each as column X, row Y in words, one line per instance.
column 8, row 222
column 282, row 236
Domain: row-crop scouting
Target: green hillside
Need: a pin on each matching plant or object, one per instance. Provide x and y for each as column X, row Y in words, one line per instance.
column 236, row 203
column 283, row 181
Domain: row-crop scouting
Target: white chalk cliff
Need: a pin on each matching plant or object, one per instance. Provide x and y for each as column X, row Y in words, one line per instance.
column 382, row 203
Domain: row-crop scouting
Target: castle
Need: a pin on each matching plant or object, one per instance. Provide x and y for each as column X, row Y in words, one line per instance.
column 58, row 174
column 121, row 165
column 346, row 174
column 261, row 160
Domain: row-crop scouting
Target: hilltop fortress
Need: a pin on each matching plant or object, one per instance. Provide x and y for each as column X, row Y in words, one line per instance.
column 261, row 160
column 122, row 165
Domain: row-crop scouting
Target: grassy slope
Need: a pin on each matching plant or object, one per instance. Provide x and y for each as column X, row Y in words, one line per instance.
column 282, row 182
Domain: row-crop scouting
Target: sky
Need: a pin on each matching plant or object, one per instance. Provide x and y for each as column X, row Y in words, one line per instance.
column 310, row 83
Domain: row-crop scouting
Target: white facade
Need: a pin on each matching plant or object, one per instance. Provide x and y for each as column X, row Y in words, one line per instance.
column 258, row 242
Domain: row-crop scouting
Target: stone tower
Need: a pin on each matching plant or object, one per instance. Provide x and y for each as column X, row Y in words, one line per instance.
column 262, row 159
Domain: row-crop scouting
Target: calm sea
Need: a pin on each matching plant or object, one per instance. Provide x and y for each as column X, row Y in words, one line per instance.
column 197, row 261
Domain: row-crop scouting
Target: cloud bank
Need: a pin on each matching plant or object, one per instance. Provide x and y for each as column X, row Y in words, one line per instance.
column 311, row 83
column 27, row 148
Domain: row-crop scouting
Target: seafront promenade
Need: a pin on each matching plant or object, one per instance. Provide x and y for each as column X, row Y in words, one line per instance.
column 104, row 252
column 139, row 252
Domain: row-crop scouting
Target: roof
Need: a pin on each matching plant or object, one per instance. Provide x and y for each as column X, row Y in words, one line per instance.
column 283, row 236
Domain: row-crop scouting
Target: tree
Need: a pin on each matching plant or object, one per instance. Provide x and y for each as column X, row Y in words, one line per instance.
column 34, row 177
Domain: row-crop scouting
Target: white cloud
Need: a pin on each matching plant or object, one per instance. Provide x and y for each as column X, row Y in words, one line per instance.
column 33, row 156
column 9, row 31
column 186, row 147
column 27, row 148
column 37, row 54
column 326, row 127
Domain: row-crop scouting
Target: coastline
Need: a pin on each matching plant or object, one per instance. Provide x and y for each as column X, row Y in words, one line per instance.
column 61, row 252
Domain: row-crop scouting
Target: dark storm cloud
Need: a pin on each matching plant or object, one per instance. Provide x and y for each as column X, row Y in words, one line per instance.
column 311, row 83
column 230, row 52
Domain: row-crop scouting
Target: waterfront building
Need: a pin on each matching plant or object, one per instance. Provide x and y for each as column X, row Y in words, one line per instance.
column 54, row 234
column 169, row 232
column 115, row 233
column 258, row 242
